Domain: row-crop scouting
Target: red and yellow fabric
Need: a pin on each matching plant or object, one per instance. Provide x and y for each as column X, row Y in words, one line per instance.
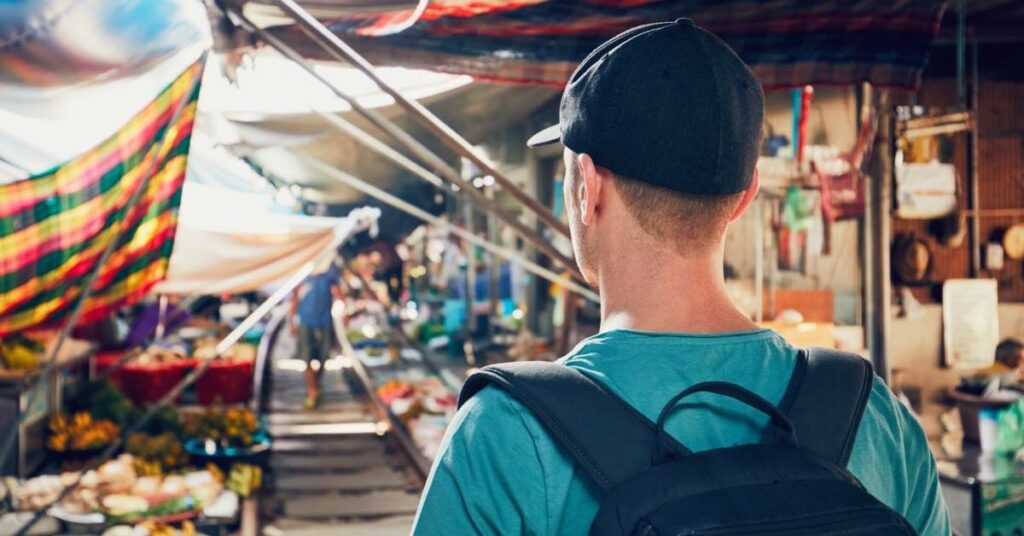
column 55, row 225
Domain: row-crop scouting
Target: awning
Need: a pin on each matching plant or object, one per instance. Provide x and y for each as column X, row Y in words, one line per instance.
column 247, row 251
column 787, row 43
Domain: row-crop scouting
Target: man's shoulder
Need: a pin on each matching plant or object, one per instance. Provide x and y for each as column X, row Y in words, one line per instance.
column 886, row 415
column 499, row 411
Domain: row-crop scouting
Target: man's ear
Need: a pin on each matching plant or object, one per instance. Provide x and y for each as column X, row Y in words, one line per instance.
column 588, row 193
column 748, row 197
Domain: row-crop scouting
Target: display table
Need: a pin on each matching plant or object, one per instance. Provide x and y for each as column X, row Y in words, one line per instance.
column 984, row 493
column 15, row 393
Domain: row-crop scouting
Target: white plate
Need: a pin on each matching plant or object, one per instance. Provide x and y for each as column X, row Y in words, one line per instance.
column 76, row 519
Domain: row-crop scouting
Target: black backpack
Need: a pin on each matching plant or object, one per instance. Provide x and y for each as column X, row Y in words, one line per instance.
column 794, row 482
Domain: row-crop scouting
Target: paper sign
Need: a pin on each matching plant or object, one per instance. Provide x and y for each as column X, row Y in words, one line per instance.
column 970, row 317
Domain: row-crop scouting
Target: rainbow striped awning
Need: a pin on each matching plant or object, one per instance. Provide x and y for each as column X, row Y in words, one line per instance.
column 55, row 225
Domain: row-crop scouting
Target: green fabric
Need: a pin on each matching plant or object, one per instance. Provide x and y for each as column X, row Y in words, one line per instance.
column 498, row 472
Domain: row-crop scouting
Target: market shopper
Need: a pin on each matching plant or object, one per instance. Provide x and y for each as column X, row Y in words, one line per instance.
column 661, row 127
column 311, row 323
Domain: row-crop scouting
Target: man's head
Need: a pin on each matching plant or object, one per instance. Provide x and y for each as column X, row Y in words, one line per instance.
column 1010, row 352
column 662, row 128
column 607, row 211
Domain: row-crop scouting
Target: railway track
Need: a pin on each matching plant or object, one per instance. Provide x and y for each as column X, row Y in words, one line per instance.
column 338, row 469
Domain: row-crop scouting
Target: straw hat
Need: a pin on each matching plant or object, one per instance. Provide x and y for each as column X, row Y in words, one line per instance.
column 1013, row 241
column 911, row 259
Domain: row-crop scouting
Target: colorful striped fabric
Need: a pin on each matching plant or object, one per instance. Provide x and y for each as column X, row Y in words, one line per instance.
column 55, row 225
column 788, row 43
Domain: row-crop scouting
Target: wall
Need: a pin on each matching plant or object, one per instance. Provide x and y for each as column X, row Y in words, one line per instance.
column 1000, row 182
column 833, row 121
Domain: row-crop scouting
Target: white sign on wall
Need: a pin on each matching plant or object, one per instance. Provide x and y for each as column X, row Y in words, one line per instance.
column 970, row 322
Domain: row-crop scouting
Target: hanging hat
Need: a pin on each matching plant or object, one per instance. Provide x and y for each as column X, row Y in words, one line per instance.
column 1013, row 241
column 951, row 230
column 911, row 259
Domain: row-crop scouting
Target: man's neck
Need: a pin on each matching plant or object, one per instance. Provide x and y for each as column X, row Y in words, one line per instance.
column 668, row 294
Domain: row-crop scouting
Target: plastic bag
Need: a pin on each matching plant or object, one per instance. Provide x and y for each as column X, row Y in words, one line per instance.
column 1010, row 435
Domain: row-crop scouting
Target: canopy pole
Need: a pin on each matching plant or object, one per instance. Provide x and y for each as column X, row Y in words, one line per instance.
column 412, row 210
column 418, row 149
column 878, row 223
column 481, row 199
column 90, row 281
column 334, row 46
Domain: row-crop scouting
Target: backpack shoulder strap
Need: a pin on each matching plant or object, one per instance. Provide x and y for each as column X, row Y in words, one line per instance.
column 607, row 437
column 825, row 401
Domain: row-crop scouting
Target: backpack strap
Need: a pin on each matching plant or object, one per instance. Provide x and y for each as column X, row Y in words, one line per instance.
column 825, row 401
column 606, row 436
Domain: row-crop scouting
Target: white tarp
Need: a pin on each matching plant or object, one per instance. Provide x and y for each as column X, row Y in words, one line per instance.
column 230, row 242
column 233, row 237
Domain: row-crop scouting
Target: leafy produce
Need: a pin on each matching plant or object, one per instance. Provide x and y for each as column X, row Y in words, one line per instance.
column 225, row 426
column 102, row 399
column 80, row 432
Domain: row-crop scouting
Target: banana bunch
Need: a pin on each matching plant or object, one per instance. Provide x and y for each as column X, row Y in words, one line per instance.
column 244, row 479
column 80, row 432
column 20, row 353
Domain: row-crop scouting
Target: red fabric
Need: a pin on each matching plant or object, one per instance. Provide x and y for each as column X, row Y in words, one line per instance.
column 805, row 110
column 148, row 383
column 228, row 381
column 104, row 360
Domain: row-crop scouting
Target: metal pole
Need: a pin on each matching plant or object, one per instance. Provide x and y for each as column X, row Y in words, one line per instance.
column 334, row 46
column 380, row 148
column 974, row 203
column 879, row 222
column 759, row 258
column 90, row 281
column 417, row 212
column 470, row 225
column 493, row 272
column 961, row 55
column 419, row 150
column 466, row 189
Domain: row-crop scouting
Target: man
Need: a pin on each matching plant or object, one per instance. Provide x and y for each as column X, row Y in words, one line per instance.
column 312, row 324
column 662, row 128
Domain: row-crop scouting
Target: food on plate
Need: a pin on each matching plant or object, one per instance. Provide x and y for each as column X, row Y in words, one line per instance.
column 116, row 476
column 155, row 355
column 206, row 348
column 37, row 492
column 393, row 390
column 114, row 490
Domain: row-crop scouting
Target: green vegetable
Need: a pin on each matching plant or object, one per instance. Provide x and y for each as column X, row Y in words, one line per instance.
column 165, row 508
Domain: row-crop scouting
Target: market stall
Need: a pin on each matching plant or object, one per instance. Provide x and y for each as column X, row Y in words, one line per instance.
column 860, row 209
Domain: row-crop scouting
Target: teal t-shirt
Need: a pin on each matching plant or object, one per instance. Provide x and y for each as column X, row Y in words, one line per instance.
column 498, row 471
